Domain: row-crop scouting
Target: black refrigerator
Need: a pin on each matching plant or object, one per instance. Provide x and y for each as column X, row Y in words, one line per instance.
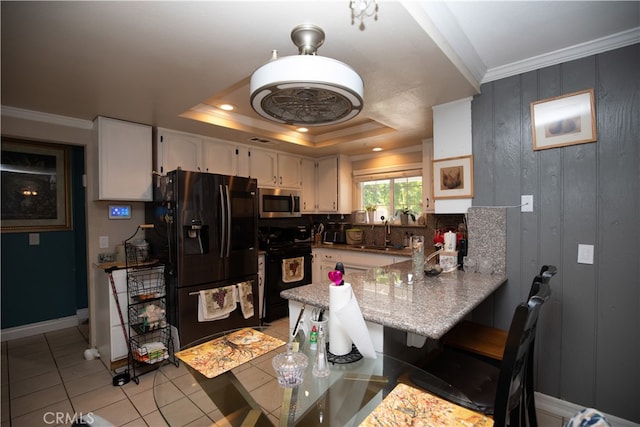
column 206, row 234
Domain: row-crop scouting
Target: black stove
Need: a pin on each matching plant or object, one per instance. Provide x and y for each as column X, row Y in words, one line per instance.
column 284, row 247
column 282, row 238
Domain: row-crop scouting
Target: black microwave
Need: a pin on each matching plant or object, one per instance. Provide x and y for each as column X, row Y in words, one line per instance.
column 279, row 203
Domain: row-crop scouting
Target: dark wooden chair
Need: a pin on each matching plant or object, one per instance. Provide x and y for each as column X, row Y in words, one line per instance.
column 483, row 340
column 504, row 391
column 488, row 343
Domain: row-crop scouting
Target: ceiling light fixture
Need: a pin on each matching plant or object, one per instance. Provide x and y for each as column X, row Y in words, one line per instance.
column 361, row 9
column 306, row 89
column 377, row 149
column 226, row 107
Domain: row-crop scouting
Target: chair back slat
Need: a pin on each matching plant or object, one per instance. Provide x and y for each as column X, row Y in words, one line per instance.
column 513, row 370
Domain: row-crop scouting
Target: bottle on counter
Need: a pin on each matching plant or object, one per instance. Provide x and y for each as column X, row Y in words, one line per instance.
column 313, row 338
column 321, row 363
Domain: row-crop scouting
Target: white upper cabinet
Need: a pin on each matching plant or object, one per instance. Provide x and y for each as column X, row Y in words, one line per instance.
column 289, row 171
column 124, row 160
column 308, row 193
column 223, row 158
column 263, row 165
column 333, row 187
column 275, row 170
column 177, row 150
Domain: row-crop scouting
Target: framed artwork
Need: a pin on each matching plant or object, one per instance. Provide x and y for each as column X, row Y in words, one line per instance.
column 35, row 187
column 564, row 120
column 453, row 178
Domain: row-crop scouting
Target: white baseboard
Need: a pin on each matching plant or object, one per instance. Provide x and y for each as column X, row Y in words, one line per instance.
column 39, row 328
column 82, row 314
column 566, row 410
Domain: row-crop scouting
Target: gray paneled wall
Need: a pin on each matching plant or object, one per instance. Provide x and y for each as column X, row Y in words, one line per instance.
column 588, row 348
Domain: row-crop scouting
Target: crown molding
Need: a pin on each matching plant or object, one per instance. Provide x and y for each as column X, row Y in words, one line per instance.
column 37, row 116
column 582, row 50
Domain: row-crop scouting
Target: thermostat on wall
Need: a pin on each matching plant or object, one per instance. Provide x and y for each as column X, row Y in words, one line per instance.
column 119, row 211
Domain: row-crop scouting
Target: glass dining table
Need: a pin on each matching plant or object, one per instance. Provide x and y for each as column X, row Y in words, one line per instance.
column 247, row 393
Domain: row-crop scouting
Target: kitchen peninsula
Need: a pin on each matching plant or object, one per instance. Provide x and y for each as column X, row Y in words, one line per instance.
column 427, row 308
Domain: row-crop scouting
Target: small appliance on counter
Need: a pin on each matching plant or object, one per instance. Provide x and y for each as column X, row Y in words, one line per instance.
column 334, row 233
column 359, row 217
column 354, row 236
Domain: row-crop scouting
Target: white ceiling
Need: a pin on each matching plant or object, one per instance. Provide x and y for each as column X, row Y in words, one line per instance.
column 150, row 62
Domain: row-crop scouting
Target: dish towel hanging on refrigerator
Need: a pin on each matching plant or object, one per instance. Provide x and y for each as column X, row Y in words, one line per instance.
column 292, row 269
column 245, row 296
column 216, row 304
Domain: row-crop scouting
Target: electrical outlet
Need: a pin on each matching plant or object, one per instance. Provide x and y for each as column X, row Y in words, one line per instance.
column 104, row 242
column 585, row 254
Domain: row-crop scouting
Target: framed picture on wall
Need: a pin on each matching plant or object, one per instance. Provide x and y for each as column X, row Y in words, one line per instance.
column 564, row 120
column 453, row 178
column 35, row 187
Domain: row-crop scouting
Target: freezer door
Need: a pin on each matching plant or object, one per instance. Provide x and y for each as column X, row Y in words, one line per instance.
column 190, row 328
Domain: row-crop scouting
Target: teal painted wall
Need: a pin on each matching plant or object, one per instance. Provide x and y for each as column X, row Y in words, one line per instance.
column 47, row 281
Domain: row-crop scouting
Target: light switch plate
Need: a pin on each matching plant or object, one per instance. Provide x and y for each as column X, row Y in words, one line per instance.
column 104, row 242
column 585, row 254
column 526, row 203
column 34, row 239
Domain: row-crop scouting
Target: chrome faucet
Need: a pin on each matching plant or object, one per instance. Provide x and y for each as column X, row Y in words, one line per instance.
column 387, row 230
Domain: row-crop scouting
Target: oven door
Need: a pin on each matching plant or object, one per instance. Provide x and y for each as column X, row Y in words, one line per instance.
column 284, row 269
column 279, row 203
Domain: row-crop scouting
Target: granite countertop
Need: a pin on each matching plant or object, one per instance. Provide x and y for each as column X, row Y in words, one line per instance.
column 429, row 307
column 364, row 248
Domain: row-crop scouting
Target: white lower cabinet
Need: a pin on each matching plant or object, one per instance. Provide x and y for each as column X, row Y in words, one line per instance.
column 110, row 338
column 324, row 261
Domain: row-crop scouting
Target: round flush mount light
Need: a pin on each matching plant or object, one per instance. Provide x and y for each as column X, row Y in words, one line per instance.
column 306, row 89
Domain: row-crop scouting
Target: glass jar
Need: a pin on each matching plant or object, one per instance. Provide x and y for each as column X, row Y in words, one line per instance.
column 290, row 367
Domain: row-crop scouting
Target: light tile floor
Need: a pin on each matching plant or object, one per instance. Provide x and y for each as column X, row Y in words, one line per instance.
column 47, row 382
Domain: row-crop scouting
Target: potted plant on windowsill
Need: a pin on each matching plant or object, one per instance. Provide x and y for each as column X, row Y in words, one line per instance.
column 371, row 213
column 404, row 215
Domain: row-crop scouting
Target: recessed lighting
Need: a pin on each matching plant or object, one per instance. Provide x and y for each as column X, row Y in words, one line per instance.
column 377, row 149
column 226, row 107
column 302, row 130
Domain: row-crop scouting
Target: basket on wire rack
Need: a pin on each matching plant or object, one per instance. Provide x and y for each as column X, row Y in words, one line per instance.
column 148, row 317
column 136, row 248
column 146, row 284
column 151, row 348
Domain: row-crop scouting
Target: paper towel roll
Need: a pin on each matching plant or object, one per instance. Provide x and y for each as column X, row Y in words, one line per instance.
column 340, row 342
column 450, row 241
column 346, row 320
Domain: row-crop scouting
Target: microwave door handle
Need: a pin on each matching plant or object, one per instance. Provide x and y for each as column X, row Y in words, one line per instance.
column 229, row 221
column 293, row 203
column 223, row 222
